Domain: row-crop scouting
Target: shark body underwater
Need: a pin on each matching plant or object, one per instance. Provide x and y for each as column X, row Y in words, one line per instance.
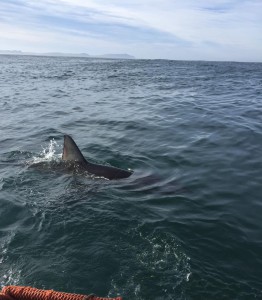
column 73, row 160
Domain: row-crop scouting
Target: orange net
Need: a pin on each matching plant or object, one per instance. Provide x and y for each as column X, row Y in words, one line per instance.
column 29, row 293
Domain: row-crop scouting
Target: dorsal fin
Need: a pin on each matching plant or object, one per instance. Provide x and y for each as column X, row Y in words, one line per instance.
column 71, row 151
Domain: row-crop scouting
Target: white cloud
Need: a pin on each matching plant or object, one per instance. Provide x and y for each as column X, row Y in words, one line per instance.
column 189, row 29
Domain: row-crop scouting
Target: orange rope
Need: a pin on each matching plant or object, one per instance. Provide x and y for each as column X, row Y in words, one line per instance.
column 29, row 293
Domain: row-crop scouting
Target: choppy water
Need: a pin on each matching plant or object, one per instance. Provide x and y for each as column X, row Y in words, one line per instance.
column 186, row 225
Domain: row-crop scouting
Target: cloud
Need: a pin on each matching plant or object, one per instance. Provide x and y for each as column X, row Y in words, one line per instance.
column 189, row 29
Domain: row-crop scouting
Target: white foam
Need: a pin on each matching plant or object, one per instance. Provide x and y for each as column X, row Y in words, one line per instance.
column 48, row 153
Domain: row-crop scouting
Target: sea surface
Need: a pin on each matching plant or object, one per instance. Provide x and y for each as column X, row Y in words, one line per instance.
column 186, row 225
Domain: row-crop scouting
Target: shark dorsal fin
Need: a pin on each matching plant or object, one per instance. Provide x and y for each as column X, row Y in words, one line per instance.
column 71, row 152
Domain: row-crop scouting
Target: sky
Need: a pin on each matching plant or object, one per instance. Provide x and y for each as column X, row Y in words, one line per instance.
column 227, row 30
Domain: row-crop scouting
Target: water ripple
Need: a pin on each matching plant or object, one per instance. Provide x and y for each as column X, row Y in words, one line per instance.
column 186, row 224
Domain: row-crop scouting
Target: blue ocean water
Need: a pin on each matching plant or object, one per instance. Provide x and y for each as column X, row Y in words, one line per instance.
column 186, row 225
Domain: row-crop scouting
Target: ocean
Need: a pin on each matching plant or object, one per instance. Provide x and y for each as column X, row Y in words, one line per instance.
column 186, row 225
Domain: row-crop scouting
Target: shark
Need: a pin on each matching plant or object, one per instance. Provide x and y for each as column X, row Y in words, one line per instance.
column 73, row 156
column 74, row 162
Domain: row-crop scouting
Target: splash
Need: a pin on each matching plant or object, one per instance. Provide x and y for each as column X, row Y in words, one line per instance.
column 48, row 153
column 10, row 274
column 159, row 265
column 11, row 277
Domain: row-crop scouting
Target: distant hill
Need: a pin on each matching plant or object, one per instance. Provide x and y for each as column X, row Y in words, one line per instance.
column 18, row 52
column 113, row 56
column 62, row 54
column 123, row 56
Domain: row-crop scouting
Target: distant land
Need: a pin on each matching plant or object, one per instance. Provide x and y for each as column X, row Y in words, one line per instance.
column 113, row 56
